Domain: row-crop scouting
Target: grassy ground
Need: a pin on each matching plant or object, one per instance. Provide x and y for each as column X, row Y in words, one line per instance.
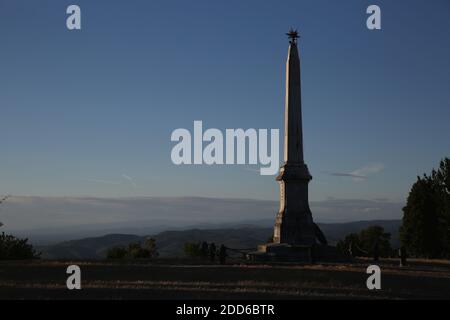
column 178, row 280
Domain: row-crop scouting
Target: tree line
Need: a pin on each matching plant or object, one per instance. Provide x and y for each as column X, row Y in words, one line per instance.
column 425, row 228
column 206, row 251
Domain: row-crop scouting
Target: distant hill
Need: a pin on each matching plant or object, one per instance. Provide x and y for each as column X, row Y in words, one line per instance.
column 44, row 220
column 87, row 248
column 170, row 243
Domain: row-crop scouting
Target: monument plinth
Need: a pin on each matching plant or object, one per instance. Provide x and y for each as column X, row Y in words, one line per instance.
column 296, row 237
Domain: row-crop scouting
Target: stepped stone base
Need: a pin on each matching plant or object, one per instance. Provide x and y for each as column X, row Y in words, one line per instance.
column 283, row 252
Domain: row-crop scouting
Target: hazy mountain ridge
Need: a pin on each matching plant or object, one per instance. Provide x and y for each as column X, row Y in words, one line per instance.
column 49, row 220
column 170, row 243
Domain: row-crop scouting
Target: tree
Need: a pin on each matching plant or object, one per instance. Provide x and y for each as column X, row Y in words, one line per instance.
column 374, row 239
column 442, row 178
column 12, row 248
column 116, row 253
column 204, row 250
column 2, row 200
column 199, row 250
column 192, row 249
column 212, row 252
column 368, row 242
column 425, row 230
column 134, row 251
column 350, row 245
column 150, row 246
column 222, row 254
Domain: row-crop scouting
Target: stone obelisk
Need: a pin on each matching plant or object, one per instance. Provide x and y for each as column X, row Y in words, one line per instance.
column 294, row 224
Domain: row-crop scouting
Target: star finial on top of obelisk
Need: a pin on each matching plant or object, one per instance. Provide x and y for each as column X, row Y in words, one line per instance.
column 293, row 36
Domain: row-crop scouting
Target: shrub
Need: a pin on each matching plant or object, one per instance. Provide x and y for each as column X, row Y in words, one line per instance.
column 116, row 253
column 12, row 248
column 192, row 250
column 134, row 251
column 364, row 243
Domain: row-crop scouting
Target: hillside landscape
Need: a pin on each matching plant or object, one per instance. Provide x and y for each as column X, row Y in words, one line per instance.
column 170, row 243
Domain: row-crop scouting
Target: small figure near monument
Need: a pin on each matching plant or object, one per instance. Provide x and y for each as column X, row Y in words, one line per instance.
column 376, row 251
column 350, row 250
column 204, row 250
column 222, row 254
column 403, row 256
column 212, row 252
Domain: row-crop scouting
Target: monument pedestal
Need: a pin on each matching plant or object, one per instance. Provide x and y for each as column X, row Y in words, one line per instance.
column 283, row 252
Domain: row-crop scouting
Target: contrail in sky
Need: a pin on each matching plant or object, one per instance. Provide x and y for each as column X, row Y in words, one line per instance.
column 129, row 179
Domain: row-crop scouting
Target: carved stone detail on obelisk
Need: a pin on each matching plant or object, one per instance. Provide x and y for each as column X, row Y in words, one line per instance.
column 294, row 224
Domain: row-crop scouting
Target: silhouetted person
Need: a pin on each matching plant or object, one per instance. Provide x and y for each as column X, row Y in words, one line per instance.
column 212, row 252
column 403, row 256
column 222, row 254
column 350, row 249
column 204, row 250
column 376, row 251
column 311, row 255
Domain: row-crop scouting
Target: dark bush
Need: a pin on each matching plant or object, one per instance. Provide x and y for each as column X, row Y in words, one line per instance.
column 116, row 253
column 12, row 248
column 134, row 251
column 364, row 243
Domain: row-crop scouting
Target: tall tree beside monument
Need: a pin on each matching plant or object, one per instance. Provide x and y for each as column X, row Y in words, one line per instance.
column 425, row 231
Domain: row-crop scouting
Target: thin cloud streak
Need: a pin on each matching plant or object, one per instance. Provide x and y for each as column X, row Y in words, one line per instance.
column 111, row 182
column 129, row 179
column 102, row 181
column 361, row 173
column 343, row 174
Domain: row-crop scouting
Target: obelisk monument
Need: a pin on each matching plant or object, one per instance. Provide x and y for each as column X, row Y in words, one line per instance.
column 295, row 237
column 294, row 224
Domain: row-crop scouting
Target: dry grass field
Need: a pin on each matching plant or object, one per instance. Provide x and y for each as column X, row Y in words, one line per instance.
column 177, row 280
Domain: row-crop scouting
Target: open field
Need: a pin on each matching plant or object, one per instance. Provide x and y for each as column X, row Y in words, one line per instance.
column 177, row 280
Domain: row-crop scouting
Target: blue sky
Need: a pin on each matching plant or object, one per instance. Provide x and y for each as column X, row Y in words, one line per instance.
column 90, row 112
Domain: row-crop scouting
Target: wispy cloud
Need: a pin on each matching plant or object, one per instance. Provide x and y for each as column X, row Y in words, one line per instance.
column 361, row 173
column 102, row 181
column 371, row 209
column 369, row 169
column 127, row 177
column 343, row 174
